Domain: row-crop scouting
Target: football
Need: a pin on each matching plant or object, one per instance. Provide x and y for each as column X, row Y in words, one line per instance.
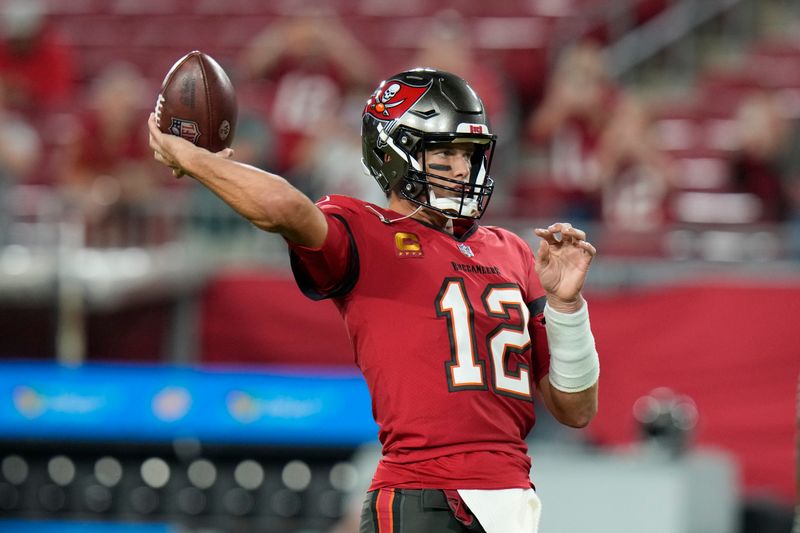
column 197, row 101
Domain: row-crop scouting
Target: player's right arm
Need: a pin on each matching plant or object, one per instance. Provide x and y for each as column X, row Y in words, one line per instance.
column 267, row 200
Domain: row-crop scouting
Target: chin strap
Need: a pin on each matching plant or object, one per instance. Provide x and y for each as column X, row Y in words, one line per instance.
column 392, row 220
column 466, row 207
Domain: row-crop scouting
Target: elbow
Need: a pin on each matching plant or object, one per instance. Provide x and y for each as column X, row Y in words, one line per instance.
column 576, row 409
column 265, row 224
column 278, row 210
column 579, row 418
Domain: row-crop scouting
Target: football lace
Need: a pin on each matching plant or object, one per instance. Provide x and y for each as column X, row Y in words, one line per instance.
column 159, row 106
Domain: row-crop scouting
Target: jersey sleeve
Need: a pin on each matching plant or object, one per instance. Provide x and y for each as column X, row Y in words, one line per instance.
column 540, row 351
column 330, row 271
column 535, row 299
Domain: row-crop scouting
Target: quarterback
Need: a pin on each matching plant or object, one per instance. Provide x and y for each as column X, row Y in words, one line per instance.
column 457, row 329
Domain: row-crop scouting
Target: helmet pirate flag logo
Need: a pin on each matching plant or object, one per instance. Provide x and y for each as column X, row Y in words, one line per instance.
column 393, row 98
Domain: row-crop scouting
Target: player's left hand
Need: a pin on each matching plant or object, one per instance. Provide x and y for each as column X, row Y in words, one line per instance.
column 562, row 264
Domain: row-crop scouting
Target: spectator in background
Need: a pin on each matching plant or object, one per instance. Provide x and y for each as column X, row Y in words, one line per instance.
column 253, row 143
column 254, row 140
column 308, row 64
column 20, row 146
column 20, row 150
column 107, row 171
column 634, row 175
column 36, row 64
column 332, row 156
column 578, row 105
column 446, row 44
column 758, row 164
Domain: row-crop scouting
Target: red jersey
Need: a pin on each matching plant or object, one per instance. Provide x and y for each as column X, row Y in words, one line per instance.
column 448, row 334
column 42, row 76
column 303, row 96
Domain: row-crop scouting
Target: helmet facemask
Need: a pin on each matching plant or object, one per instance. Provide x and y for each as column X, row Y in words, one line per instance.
column 453, row 197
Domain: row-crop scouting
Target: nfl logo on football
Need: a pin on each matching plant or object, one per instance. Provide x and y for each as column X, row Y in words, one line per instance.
column 465, row 249
column 187, row 129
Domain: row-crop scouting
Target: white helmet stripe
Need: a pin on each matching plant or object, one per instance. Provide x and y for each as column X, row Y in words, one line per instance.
column 383, row 136
column 481, row 176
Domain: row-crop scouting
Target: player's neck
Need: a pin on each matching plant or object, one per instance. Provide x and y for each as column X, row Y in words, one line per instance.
column 428, row 216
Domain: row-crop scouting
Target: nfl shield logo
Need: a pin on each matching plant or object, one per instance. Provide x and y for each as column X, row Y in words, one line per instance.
column 185, row 128
column 465, row 249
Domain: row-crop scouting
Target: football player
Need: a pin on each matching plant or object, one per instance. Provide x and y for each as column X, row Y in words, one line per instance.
column 454, row 325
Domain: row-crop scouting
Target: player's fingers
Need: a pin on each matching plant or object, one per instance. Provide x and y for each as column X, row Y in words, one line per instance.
column 586, row 245
column 559, row 227
column 561, row 230
column 152, row 126
column 155, row 146
column 227, row 153
column 547, row 235
column 178, row 173
column 574, row 233
column 543, row 255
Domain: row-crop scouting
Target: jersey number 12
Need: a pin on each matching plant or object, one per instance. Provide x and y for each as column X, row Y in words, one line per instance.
column 465, row 369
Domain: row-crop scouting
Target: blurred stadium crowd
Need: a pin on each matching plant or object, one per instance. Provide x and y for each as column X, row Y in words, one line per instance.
column 673, row 131
column 668, row 128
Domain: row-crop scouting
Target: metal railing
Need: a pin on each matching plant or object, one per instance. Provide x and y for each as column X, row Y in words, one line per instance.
column 616, row 16
column 675, row 30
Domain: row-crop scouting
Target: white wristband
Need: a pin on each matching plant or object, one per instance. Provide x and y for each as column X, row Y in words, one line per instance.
column 574, row 364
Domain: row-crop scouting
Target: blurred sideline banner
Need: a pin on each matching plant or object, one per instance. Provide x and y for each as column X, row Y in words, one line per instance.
column 252, row 317
column 55, row 526
column 732, row 345
column 150, row 403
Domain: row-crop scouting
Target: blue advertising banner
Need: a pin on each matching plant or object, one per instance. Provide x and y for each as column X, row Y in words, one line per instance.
column 152, row 403
column 47, row 526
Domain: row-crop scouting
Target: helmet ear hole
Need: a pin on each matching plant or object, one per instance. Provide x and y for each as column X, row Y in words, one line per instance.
column 412, row 189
